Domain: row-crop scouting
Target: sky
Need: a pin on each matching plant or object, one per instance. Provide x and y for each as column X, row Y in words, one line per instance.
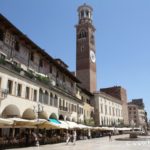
column 122, row 37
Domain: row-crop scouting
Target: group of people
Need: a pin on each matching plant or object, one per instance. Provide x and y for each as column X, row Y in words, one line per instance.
column 71, row 137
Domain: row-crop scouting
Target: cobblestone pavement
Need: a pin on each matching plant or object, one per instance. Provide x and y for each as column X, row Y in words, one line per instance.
column 97, row 144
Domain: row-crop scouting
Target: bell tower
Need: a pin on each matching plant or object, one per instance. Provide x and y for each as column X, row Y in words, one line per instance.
column 85, row 48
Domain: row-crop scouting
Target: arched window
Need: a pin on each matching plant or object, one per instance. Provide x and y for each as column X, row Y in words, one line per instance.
column 82, row 14
column 87, row 13
column 61, row 117
column 82, row 34
column 56, row 101
column 60, row 103
column 51, row 99
column 46, row 97
column 41, row 96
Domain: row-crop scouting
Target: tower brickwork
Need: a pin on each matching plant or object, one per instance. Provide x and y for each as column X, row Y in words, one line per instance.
column 85, row 49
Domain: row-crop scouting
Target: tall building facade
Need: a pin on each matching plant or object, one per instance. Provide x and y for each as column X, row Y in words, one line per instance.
column 137, row 113
column 85, row 49
column 119, row 93
column 108, row 110
column 30, row 77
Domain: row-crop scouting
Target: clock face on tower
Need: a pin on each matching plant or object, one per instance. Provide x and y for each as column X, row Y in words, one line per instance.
column 92, row 56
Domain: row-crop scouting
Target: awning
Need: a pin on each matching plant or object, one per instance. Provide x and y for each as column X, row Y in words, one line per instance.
column 48, row 125
column 82, row 126
column 58, row 123
column 26, row 123
column 72, row 125
column 4, row 122
column 64, row 124
column 55, row 121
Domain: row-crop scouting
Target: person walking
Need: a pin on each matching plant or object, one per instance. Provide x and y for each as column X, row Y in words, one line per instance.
column 74, row 137
column 67, row 138
column 109, row 136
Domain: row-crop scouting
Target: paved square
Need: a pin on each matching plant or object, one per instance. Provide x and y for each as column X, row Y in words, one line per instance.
column 97, row 144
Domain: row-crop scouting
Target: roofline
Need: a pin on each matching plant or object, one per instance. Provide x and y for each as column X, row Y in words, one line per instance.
column 52, row 60
column 109, row 96
column 85, row 90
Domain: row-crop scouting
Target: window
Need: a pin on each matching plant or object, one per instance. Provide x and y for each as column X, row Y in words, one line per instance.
column 105, row 109
column 35, row 95
column 10, row 39
column 81, row 97
column 70, row 107
column 67, row 106
column 46, row 97
column 87, row 13
column 109, row 110
column 0, row 82
column 82, row 14
column 63, row 78
column 113, row 111
column 10, row 86
column 75, row 108
column 63, row 103
column 27, row 93
column 56, row 101
column 1, row 35
column 57, row 74
column 19, row 90
column 82, row 49
column 50, row 69
column 60, row 102
column 51, row 99
column 2, row 56
column 71, row 84
column 101, row 108
column 41, row 63
column 41, row 96
column 88, row 101
column 32, row 56
column 17, row 46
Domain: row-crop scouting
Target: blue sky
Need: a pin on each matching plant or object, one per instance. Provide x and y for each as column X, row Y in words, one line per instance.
column 122, row 37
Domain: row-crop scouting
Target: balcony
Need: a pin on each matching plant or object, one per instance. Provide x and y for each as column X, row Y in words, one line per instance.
column 29, row 74
column 51, row 80
column 63, row 108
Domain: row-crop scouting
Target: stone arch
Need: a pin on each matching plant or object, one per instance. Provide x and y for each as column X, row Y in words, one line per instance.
column 28, row 114
column 11, row 111
column 53, row 116
column 61, row 117
column 43, row 115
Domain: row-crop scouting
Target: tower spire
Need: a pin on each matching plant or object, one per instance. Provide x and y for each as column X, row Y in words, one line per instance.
column 85, row 13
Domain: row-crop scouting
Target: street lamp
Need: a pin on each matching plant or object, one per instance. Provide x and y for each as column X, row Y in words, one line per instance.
column 37, row 110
